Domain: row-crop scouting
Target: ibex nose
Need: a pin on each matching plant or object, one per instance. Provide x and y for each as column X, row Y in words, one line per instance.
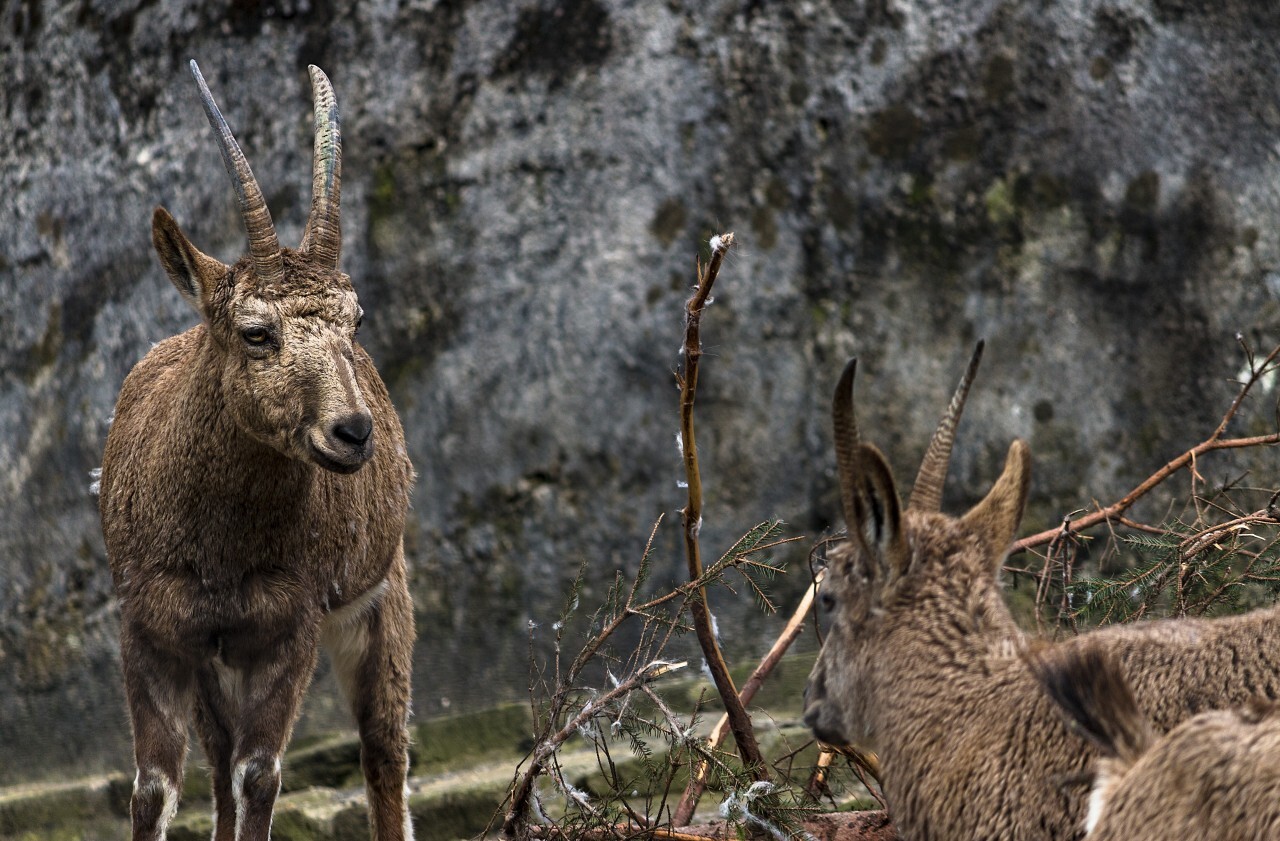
column 354, row 429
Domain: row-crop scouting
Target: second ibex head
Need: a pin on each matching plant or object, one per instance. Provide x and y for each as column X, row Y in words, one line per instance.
column 884, row 581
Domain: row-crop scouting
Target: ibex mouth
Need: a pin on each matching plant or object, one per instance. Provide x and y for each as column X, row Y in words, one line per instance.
column 347, row 459
column 822, row 729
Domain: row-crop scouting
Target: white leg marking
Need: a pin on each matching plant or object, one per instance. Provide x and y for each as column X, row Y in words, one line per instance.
column 408, row 819
column 237, row 789
column 168, row 791
column 170, row 807
column 237, row 793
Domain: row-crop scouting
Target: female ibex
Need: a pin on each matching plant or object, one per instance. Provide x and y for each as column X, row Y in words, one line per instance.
column 923, row 664
column 254, row 490
column 1216, row 775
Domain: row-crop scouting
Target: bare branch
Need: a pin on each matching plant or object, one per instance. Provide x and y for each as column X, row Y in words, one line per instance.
column 740, row 722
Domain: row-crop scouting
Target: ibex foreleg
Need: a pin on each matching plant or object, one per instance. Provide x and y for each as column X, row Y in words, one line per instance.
column 271, row 691
column 159, row 695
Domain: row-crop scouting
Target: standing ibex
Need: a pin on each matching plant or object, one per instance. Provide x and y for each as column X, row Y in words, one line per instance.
column 1216, row 775
column 254, row 489
column 922, row 664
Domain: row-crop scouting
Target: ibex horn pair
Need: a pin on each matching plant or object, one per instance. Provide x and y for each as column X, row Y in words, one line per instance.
column 322, row 240
column 926, row 494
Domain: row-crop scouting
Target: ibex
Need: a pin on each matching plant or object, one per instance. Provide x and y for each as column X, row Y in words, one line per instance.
column 1216, row 775
column 254, row 489
column 922, row 664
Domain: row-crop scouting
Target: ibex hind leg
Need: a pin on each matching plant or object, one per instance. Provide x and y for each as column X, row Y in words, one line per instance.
column 159, row 692
column 214, row 719
column 372, row 651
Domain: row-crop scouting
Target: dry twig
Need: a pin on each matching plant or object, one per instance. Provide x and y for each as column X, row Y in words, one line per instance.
column 1187, row 460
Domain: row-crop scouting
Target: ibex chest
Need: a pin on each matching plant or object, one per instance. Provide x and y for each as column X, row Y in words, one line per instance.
column 196, row 615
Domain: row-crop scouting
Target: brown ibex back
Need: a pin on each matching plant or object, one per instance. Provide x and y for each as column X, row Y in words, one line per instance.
column 253, row 495
column 923, row 661
column 1216, row 775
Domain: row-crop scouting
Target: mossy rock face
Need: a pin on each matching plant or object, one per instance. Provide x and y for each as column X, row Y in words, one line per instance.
column 197, row 784
column 307, row 815
column 782, row 692
column 295, row 825
column 630, row 774
column 334, row 763
column 452, row 741
column 35, row 811
column 456, row 813
column 191, row 824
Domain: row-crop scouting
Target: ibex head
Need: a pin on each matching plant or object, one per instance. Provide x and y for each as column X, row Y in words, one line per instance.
column 904, row 578
column 282, row 322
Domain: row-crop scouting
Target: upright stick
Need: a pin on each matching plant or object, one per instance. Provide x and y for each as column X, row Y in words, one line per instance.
column 739, row 721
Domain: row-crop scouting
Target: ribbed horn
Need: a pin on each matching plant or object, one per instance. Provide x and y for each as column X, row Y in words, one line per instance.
column 926, row 495
column 322, row 240
column 263, row 244
column 845, row 429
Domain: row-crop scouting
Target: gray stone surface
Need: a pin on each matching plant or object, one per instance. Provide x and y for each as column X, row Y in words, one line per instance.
column 1089, row 185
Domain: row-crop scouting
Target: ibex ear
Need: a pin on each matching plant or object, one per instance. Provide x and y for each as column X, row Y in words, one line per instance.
column 877, row 512
column 191, row 271
column 995, row 519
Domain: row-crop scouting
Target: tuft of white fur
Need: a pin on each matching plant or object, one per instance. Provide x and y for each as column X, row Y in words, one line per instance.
column 231, row 681
column 576, row 794
column 1097, row 802
column 737, row 807
column 716, row 244
column 237, row 793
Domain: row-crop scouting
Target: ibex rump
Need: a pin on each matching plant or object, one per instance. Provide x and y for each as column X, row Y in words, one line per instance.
column 923, row 663
column 254, row 489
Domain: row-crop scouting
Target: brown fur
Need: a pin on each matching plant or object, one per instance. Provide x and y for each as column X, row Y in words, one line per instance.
column 923, row 665
column 246, row 522
column 1216, row 775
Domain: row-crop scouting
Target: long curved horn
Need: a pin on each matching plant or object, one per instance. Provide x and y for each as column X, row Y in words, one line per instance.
column 926, row 495
column 845, row 429
column 263, row 244
column 322, row 240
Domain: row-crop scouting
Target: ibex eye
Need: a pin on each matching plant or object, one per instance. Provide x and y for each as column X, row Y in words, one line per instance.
column 827, row 601
column 256, row 335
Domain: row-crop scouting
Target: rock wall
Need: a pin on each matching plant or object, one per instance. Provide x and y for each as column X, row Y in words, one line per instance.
column 1090, row 185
